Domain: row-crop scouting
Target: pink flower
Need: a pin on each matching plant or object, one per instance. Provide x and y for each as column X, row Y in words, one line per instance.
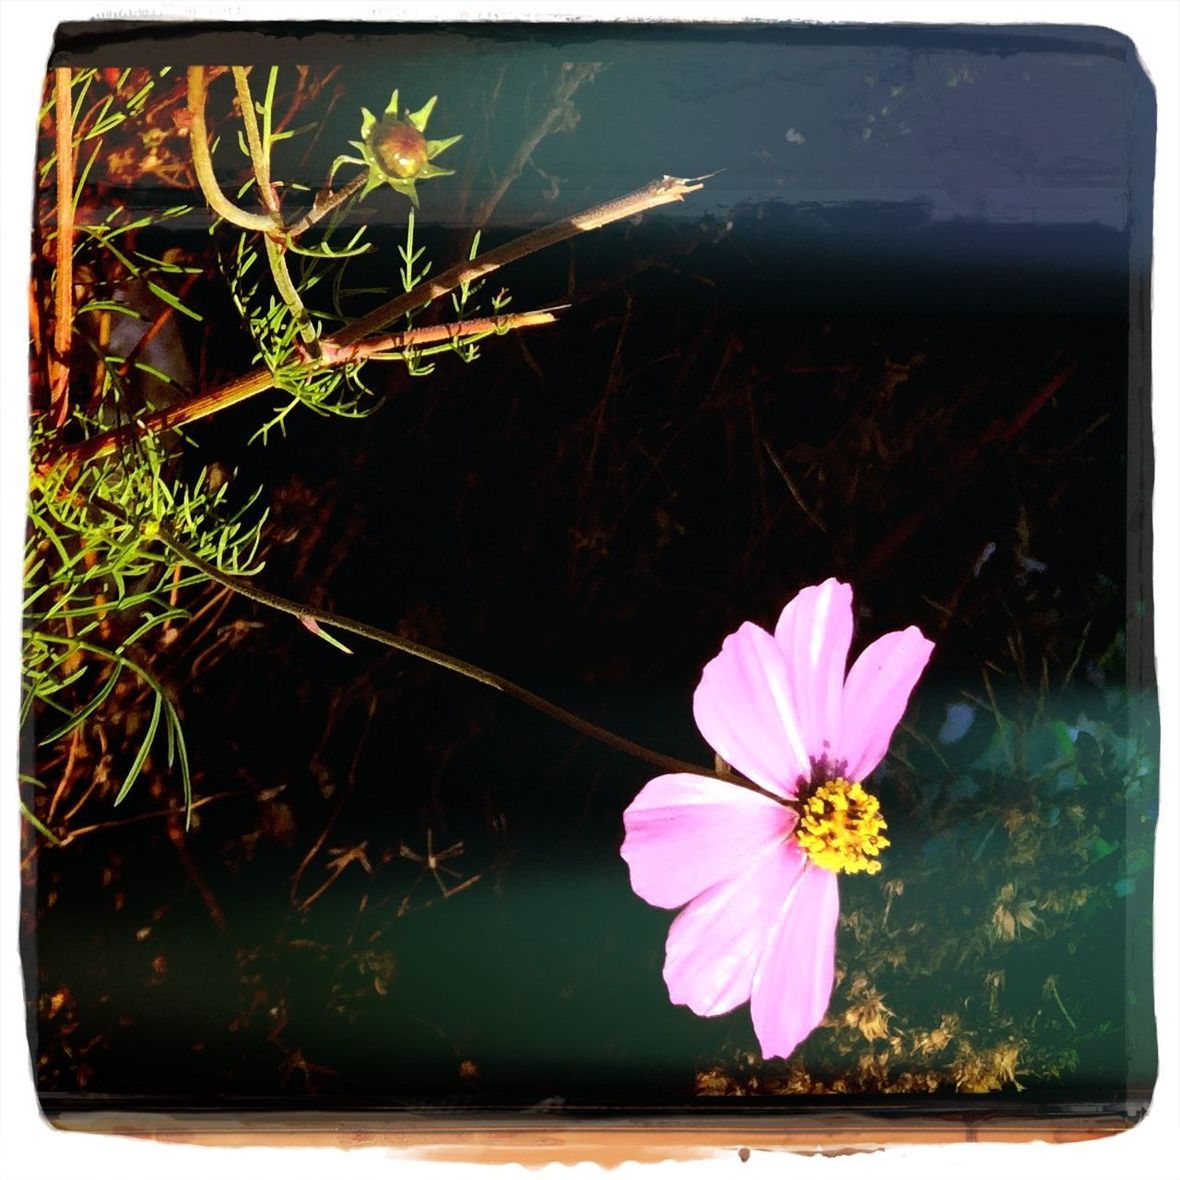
column 757, row 877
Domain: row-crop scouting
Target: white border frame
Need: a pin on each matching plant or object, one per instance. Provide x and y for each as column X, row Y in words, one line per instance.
column 27, row 1145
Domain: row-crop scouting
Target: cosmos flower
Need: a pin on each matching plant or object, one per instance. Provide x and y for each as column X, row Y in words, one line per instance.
column 756, row 872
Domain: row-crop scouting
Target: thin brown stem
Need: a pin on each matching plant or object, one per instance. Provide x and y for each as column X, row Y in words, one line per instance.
column 76, row 833
column 63, row 299
column 303, row 612
column 144, row 342
column 67, row 774
column 324, row 203
column 238, row 390
column 796, row 495
column 259, row 380
column 556, row 118
column 415, row 337
column 176, row 832
column 659, row 192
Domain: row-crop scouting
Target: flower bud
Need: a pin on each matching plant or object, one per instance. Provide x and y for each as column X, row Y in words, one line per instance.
column 399, row 148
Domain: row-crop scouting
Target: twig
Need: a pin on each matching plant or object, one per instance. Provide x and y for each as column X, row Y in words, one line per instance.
column 964, row 463
column 336, row 866
column 67, row 774
column 196, row 878
column 1051, row 988
column 259, row 380
column 572, row 76
column 324, row 203
column 1009, row 430
column 89, row 829
column 795, row 493
column 991, row 696
column 463, row 329
column 63, row 298
column 144, row 342
column 341, row 799
column 238, row 390
column 1077, row 659
column 313, row 851
column 659, row 192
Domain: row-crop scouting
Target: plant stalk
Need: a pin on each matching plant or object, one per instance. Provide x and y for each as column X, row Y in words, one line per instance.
column 259, row 380
column 324, row 203
column 265, row 223
column 275, row 256
column 663, row 191
column 63, row 295
column 305, row 613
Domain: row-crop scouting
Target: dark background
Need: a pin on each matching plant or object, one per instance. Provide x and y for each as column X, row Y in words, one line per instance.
column 917, row 286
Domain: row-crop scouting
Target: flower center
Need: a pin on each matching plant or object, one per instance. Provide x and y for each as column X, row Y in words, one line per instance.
column 840, row 827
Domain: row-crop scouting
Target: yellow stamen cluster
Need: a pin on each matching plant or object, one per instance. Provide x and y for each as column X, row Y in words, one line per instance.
column 840, row 828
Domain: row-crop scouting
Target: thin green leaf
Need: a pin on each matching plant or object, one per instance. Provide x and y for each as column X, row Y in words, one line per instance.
column 173, row 302
column 142, row 753
column 36, row 823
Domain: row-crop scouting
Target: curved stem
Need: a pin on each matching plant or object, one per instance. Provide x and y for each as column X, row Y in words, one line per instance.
column 275, row 256
column 203, row 164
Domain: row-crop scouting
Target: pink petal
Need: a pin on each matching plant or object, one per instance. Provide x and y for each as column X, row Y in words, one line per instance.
column 792, row 983
column 685, row 833
column 715, row 944
column 743, row 708
column 814, row 632
column 875, row 696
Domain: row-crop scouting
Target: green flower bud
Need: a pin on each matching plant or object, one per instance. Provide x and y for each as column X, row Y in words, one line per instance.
column 399, row 148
